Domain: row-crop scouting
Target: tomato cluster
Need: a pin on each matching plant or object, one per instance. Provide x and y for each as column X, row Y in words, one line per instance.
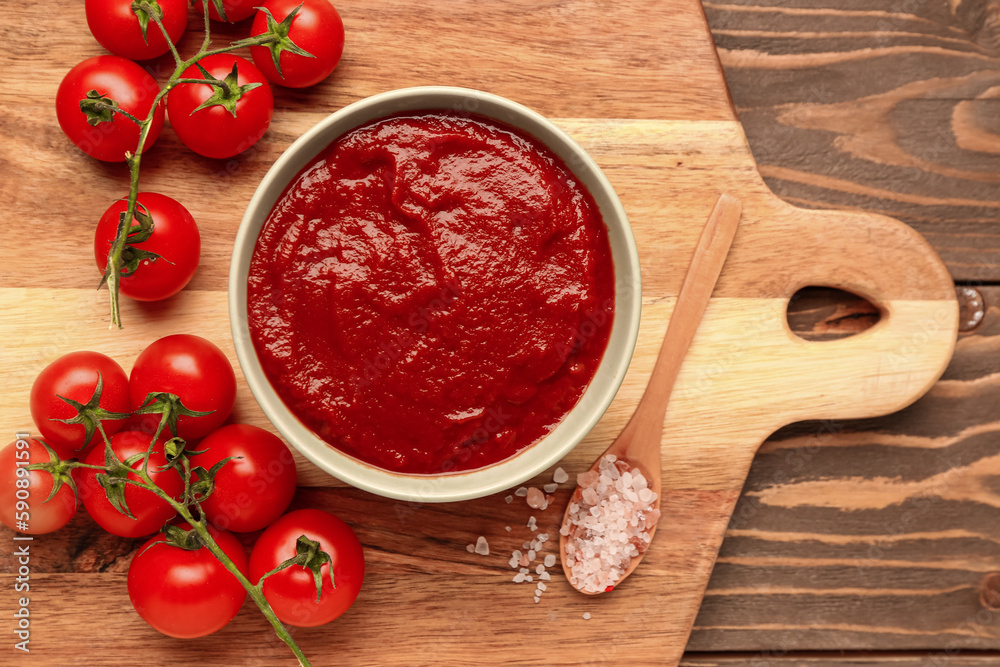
column 102, row 100
column 173, row 404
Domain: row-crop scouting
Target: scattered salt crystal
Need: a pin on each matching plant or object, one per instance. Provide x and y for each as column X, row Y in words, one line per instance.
column 560, row 476
column 507, row 528
column 536, row 599
column 543, row 538
column 524, row 570
column 545, row 576
column 539, row 569
column 586, row 615
column 542, row 586
column 531, row 555
column 527, row 578
column 535, row 498
column 550, row 488
column 526, row 546
column 550, row 560
column 509, row 499
column 519, row 577
column 470, row 547
column 482, row 546
column 538, row 593
column 532, row 523
column 521, row 492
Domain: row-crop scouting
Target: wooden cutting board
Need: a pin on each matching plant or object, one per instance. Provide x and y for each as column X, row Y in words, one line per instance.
column 637, row 83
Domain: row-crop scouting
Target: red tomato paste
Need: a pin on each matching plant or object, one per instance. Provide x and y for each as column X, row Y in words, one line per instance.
column 432, row 293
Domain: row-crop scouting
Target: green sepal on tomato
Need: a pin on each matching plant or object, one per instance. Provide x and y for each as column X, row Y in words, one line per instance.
column 126, row 30
column 292, row 591
column 309, row 45
column 252, row 489
column 182, row 374
column 36, row 502
column 228, row 113
column 158, row 264
column 149, row 511
column 180, row 588
column 82, row 107
column 76, row 392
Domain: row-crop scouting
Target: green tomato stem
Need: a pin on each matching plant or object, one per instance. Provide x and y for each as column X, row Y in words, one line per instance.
column 159, row 22
column 256, row 593
column 113, row 268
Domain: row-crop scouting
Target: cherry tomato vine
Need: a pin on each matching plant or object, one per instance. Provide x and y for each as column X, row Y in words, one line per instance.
column 199, row 484
column 101, row 109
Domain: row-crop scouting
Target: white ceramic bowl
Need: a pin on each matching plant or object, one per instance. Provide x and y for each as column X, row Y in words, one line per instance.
column 595, row 400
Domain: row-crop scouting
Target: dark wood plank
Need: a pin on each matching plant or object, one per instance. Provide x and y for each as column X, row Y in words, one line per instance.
column 877, row 105
column 872, row 534
column 781, row 658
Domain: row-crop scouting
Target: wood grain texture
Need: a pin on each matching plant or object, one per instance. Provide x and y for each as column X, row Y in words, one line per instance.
column 654, row 115
column 552, row 56
column 782, row 658
column 883, row 106
column 875, row 533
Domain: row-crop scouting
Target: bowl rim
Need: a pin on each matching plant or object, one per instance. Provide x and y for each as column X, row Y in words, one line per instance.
column 461, row 485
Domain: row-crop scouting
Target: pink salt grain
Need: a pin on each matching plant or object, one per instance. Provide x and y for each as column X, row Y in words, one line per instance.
column 535, row 498
column 609, row 526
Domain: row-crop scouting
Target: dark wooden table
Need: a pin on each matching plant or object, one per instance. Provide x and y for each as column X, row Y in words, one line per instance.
column 873, row 542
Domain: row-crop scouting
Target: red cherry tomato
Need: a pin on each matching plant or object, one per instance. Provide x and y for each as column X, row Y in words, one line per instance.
column 150, row 511
column 117, row 27
column 253, row 490
column 185, row 593
column 214, row 131
column 316, row 28
column 175, row 239
column 191, row 368
column 74, row 376
column 23, row 504
column 236, row 10
column 292, row 592
column 117, row 79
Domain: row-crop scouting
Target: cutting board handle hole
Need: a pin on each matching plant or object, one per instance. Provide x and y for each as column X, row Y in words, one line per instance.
column 817, row 313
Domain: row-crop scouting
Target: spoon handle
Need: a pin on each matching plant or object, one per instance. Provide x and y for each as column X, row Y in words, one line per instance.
column 699, row 282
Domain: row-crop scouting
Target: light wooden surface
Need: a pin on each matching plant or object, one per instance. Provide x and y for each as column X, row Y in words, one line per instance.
column 654, row 114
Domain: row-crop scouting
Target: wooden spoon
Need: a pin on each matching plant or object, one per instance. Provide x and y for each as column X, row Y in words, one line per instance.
column 638, row 444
